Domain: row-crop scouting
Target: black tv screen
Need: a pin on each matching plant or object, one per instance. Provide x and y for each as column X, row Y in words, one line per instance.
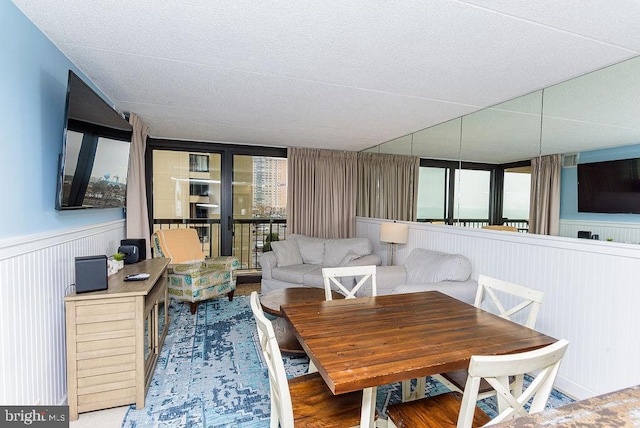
column 95, row 151
column 609, row 187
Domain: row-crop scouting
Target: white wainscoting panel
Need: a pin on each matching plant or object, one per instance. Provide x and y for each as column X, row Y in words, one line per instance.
column 35, row 273
column 618, row 232
column 592, row 293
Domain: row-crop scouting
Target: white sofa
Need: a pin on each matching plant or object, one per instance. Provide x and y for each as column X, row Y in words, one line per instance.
column 298, row 260
column 427, row 270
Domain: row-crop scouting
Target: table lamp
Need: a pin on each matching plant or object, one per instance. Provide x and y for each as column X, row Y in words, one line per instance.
column 393, row 234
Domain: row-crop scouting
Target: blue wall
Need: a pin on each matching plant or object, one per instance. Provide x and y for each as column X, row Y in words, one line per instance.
column 569, row 186
column 33, row 81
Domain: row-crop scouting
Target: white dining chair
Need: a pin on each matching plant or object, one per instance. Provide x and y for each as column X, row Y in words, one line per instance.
column 492, row 295
column 362, row 274
column 303, row 401
column 461, row 410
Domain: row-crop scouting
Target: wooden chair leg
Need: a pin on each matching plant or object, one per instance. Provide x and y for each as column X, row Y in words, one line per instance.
column 230, row 295
column 193, row 307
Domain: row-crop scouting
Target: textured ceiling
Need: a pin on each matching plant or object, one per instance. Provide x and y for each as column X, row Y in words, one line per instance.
column 327, row 74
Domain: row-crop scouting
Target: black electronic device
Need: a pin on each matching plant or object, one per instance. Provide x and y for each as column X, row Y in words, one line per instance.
column 91, row 273
column 93, row 163
column 141, row 243
column 131, row 254
column 584, row 234
column 609, row 187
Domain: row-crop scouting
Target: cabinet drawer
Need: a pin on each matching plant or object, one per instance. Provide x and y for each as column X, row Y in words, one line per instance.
column 105, row 330
column 105, row 348
column 109, row 382
column 111, row 311
column 102, row 400
column 106, row 365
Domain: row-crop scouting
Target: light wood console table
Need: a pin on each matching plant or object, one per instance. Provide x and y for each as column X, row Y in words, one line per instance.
column 114, row 338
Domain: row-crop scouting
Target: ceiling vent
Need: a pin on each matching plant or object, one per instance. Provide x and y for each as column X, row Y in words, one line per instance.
column 570, row 159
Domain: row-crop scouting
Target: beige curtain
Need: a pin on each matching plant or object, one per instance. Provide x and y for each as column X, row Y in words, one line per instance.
column 388, row 186
column 544, row 207
column 137, row 214
column 321, row 193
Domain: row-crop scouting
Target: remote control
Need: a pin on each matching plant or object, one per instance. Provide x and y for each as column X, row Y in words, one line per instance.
column 137, row 277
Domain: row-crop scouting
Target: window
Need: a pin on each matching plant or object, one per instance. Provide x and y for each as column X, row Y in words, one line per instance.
column 198, row 189
column 472, row 195
column 433, row 184
column 199, row 211
column 517, row 189
column 198, row 163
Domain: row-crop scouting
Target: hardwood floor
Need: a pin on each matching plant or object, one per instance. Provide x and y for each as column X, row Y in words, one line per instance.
column 247, row 288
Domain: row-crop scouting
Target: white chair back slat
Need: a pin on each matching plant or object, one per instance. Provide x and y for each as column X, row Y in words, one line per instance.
column 530, row 298
column 497, row 369
column 362, row 274
column 495, row 293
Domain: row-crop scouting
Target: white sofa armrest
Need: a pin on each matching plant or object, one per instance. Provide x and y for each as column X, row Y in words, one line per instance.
column 387, row 278
column 267, row 262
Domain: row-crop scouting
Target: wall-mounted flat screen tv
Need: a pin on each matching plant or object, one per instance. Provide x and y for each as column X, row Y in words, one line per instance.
column 609, row 187
column 95, row 151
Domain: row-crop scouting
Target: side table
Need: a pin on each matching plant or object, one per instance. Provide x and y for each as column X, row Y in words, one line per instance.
column 114, row 338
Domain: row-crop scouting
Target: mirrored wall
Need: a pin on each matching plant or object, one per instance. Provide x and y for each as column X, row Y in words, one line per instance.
column 594, row 111
column 598, row 110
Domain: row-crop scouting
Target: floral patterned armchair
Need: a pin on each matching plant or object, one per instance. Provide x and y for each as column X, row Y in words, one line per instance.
column 192, row 277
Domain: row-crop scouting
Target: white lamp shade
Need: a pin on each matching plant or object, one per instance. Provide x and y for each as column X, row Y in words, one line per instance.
column 396, row 233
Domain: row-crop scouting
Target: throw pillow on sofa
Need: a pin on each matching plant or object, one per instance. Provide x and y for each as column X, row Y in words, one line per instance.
column 348, row 258
column 426, row 266
column 286, row 252
column 311, row 249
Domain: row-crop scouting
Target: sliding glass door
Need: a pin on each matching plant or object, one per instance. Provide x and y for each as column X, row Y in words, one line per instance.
column 187, row 193
column 259, row 205
column 234, row 196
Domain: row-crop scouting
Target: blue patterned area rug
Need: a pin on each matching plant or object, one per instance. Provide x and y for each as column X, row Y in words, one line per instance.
column 210, row 373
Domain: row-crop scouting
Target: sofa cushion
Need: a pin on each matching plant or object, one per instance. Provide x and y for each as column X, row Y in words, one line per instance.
column 313, row 278
column 287, row 253
column 335, row 250
column 426, row 266
column 311, row 249
column 293, row 274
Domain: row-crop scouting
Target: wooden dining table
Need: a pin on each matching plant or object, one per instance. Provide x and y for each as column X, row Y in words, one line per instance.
column 360, row 344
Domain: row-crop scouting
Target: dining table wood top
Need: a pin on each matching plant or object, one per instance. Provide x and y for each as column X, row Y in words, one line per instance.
column 372, row 341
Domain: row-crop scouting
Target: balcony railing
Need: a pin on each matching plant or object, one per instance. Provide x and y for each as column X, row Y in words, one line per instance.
column 249, row 236
column 521, row 225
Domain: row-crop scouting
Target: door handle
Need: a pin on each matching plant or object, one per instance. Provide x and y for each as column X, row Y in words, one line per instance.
column 229, row 225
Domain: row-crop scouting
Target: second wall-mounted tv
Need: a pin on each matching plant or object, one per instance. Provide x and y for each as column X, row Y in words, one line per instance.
column 95, row 151
column 611, row 187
